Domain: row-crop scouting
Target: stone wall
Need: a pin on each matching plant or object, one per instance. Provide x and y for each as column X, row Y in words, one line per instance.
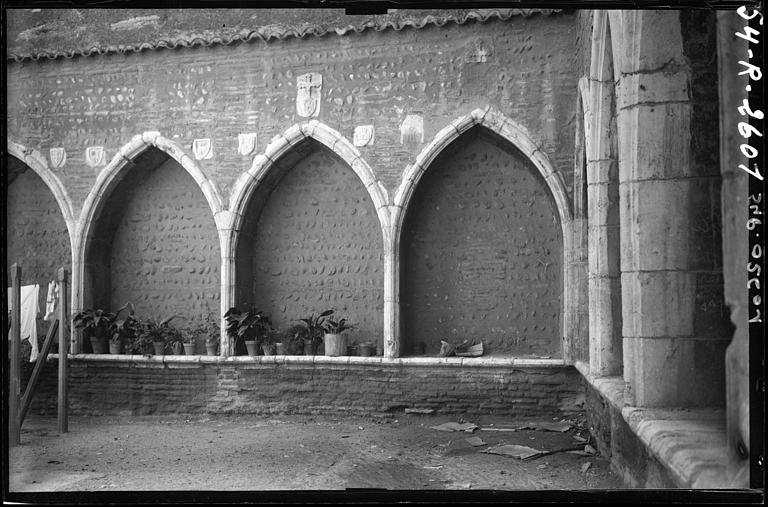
column 374, row 77
column 36, row 234
column 482, row 253
column 298, row 385
column 314, row 243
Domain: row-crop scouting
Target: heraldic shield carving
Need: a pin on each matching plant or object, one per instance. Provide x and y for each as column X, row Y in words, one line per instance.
column 94, row 156
column 202, row 148
column 58, row 157
column 308, row 88
column 246, row 143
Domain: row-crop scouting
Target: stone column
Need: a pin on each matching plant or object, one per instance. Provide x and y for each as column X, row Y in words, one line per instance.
column 392, row 292
column 605, row 347
column 667, row 267
column 735, row 190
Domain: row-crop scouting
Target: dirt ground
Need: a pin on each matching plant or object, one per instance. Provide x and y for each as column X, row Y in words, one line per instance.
column 290, row 453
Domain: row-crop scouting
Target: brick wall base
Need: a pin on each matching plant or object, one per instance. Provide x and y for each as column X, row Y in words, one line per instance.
column 151, row 385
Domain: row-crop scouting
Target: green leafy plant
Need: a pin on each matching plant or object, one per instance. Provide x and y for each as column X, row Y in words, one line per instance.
column 331, row 326
column 315, row 326
column 97, row 321
column 125, row 328
column 249, row 325
column 207, row 329
column 294, row 337
column 152, row 331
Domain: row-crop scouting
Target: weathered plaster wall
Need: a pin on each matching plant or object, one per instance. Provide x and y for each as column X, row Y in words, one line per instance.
column 314, row 243
column 37, row 237
column 482, row 253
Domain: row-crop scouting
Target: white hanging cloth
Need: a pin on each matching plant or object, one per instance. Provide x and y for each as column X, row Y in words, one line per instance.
column 51, row 300
column 29, row 311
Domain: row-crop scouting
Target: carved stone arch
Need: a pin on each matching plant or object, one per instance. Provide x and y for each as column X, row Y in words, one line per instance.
column 122, row 161
column 109, row 178
column 507, row 129
column 37, row 162
column 246, row 185
column 283, row 143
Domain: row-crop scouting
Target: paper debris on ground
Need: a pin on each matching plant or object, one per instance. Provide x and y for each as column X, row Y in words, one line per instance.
column 419, row 410
column 498, row 429
column 560, row 427
column 580, row 439
column 591, row 450
column 585, row 466
column 516, row 451
column 579, row 453
column 453, row 426
column 475, row 441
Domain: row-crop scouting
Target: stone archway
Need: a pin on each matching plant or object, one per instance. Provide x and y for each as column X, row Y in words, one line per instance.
column 516, row 138
column 148, row 234
column 309, row 166
column 39, row 222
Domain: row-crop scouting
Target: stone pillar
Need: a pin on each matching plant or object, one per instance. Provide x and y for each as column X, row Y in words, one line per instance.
column 665, row 199
column 605, row 346
column 392, row 292
column 735, row 190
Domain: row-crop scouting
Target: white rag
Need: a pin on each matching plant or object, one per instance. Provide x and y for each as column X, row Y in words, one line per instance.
column 29, row 311
column 51, row 300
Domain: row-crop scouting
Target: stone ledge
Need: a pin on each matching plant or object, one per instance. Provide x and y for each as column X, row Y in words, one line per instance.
column 456, row 362
column 690, row 443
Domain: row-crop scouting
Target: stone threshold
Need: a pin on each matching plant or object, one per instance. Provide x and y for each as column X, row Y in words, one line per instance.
column 690, row 443
column 459, row 362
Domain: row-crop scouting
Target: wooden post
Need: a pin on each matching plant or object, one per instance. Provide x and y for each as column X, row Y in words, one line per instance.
column 63, row 343
column 32, row 384
column 14, row 432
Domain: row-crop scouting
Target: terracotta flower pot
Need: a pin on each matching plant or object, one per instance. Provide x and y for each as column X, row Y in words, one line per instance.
column 99, row 344
column 252, row 346
column 159, row 348
column 189, row 349
column 115, row 347
column 279, row 349
column 366, row 349
column 178, row 349
column 210, row 348
column 310, row 348
column 335, row 344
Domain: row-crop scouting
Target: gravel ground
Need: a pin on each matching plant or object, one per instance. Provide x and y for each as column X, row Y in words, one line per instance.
column 293, row 453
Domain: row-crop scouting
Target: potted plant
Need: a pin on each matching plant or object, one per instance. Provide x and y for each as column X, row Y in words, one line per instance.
column 367, row 349
column 293, row 339
column 250, row 327
column 335, row 341
column 188, row 344
column 269, row 343
column 123, row 329
column 154, row 334
column 97, row 323
column 206, row 331
column 314, row 331
column 174, row 338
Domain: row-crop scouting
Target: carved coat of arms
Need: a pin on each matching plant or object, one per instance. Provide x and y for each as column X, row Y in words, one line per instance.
column 58, row 157
column 202, row 148
column 412, row 130
column 308, row 88
column 95, row 156
column 246, row 144
column 363, row 135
